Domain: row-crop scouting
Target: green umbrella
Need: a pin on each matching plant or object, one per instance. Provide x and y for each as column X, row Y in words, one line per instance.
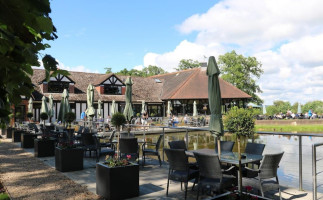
column 51, row 107
column 30, row 105
column 169, row 107
column 128, row 109
column 114, row 108
column 99, row 108
column 216, row 124
column 90, row 112
column 44, row 108
column 194, row 109
column 143, row 107
column 64, row 107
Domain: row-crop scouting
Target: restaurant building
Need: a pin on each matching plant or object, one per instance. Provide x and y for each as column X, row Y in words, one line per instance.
column 182, row 88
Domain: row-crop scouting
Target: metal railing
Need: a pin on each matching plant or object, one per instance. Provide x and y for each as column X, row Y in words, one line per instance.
column 314, row 171
column 299, row 135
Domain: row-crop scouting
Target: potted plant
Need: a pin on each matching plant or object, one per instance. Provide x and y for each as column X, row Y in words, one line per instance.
column 240, row 122
column 68, row 157
column 69, row 118
column 44, row 146
column 115, row 176
column 9, row 128
column 30, row 116
column 117, row 120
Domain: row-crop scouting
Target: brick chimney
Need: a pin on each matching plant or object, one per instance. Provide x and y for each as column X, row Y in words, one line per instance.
column 71, row 88
column 100, row 89
column 123, row 90
column 44, row 87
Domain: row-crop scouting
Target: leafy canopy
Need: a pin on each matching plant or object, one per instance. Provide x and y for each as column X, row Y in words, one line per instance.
column 145, row 72
column 240, row 121
column 187, row 64
column 240, row 72
column 24, row 25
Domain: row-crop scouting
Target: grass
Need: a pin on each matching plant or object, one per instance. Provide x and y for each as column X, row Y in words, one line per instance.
column 311, row 128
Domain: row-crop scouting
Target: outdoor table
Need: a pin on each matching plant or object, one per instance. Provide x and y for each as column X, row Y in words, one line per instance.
column 229, row 157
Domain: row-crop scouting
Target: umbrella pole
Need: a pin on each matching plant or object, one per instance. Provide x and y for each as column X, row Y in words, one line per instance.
column 219, row 147
column 240, row 172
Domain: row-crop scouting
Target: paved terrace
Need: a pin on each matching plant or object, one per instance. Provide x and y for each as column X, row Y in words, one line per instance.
column 27, row 177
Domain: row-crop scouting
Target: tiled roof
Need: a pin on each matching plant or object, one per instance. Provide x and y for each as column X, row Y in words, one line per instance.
column 193, row 84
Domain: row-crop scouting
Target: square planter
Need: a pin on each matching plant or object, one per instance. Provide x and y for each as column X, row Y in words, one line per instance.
column 236, row 196
column 44, row 148
column 27, row 140
column 16, row 135
column 3, row 131
column 117, row 182
column 9, row 132
column 68, row 159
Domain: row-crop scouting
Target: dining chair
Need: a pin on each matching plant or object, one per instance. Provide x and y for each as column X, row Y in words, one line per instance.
column 110, row 141
column 178, row 144
column 255, row 148
column 154, row 151
column 127, row 135
column 265, row 178
column 129, row 146
column 101, row 150
column 211, row 177
column 179, row 168
column 88, row 143
column 225, row 146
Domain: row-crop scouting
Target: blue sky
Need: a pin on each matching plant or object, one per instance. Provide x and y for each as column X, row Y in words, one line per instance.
column 117, row 34
column 286, row 36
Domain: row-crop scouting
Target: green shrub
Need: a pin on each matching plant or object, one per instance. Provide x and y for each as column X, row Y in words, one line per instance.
column 43, row 116
column 118, row 119
column 70, row 117
column 30, row 115
column 240, row 121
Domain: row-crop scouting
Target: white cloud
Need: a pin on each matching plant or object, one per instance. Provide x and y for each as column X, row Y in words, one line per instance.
column 138, row 67
column 286, row 36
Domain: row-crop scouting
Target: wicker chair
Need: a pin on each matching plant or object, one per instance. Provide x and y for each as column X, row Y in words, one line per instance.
column 211, row 178
column 226, row 146
column 255, row 148
column 263, row 178
column 179, row 168
column 88, row 143
column 129, row 146
column 110, row 141
column 152, row 151
column 178, row 144
column 101, row 150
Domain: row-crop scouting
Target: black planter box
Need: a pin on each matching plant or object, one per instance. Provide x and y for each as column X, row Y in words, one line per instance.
column 117, row 182
column 3, row 131
column 27, row 140
column 236, row 196
column 68, row 159
column 44, row 148
column 9, row 132
column 16, row 135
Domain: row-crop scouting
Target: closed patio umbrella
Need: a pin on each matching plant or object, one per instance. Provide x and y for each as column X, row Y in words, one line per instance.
column 299, row 109
column 216, row 124
column 99, row 108
column 51, row 111
column 169, row 112
column 143, row 107
column 30, row 105
column 264, row 110
column 90, row 112
column 128, row 112
column 44, row 108
column 114, row 108
column 64, row 107
column 194, row 109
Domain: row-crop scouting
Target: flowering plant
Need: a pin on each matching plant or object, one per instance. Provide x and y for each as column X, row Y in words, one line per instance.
column 242, row 196
column 113, row 161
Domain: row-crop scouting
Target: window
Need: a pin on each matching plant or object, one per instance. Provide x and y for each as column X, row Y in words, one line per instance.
column 57, row 86
column 113, row 86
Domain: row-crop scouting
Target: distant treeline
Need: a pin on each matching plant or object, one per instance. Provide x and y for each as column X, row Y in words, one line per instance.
column 284, row 106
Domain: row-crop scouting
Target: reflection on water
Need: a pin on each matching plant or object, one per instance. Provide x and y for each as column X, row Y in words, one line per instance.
column 288, row 170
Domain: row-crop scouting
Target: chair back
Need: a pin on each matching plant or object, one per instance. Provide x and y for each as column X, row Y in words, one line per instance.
column 209, row 165
column 269, row 164
column 80, row 130
column 177, row 159
column 112, row 136
column 126, row 135
column 159, row 141
column 224, row 146
column 87, row 139
column 128, row 145
column 179, row 144
column 254, row 148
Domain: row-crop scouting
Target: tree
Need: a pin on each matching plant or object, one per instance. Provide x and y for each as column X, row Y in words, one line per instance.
column 187, row 64
column 152, row 70
column 316, row 106
column 24, row 25
column 239, row 71
column 278, row 107
column 108, row 70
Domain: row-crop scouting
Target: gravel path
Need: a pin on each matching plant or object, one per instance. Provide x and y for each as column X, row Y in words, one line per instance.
column 26, row 177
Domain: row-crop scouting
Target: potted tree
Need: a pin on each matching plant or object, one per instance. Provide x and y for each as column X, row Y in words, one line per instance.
column 9, row 128
column 117, row 120
column 44, row 146
column 113, row 176
column 240, row 122
column 27, row 139
column 16, row 134
column 68, row 157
